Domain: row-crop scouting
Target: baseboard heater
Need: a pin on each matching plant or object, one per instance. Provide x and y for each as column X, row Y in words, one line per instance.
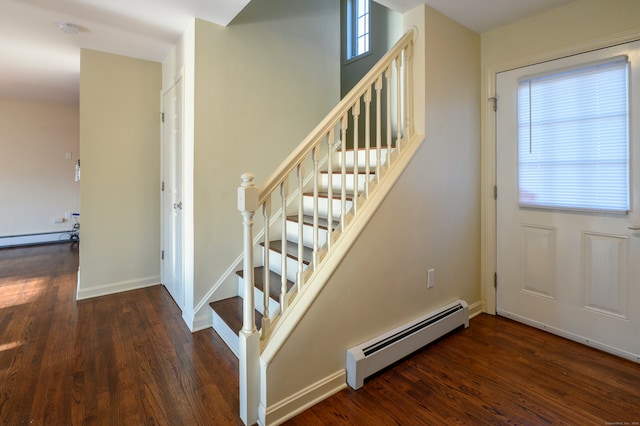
column 372, row 356
column 31, row 239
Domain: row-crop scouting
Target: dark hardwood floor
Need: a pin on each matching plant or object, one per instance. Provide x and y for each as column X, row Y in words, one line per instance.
column 495, row 372
column 128, row 359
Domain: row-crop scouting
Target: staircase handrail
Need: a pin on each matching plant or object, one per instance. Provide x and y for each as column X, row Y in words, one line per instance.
column 302, row 150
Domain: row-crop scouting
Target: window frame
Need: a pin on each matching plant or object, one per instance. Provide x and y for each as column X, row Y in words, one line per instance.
column 352, row 36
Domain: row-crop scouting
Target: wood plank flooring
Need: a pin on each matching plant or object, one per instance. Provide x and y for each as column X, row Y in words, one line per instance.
column 128, row 359
column 125, row 359
column 495, row 372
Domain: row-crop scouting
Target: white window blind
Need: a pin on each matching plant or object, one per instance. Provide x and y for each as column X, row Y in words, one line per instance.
column 573, row 143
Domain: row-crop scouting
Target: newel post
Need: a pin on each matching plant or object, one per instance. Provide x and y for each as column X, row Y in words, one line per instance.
column 249, row 349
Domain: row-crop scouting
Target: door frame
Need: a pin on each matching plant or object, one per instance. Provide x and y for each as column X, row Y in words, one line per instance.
column 178, row 79
column 489, row 247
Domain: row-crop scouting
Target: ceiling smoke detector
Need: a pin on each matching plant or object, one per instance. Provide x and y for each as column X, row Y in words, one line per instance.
column 69, row 28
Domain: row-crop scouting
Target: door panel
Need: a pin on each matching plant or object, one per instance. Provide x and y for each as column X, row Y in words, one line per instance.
column 573, row 273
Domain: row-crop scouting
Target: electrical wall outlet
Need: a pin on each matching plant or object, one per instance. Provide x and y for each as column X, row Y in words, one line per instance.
column 431, row 278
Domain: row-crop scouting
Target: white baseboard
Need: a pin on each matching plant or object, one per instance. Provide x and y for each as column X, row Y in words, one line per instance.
column 201, row 321
column 290, row 407
column 103, row 290
column 475, row 309
column 31, row 239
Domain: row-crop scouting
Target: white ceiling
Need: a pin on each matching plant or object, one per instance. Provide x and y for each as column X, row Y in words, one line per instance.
column 481, row 15
column 39, row 62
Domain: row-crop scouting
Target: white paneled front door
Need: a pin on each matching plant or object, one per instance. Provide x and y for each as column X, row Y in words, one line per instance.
column 575, row 273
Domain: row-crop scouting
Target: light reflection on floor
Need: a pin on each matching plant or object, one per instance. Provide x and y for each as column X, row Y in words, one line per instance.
column 20, row 291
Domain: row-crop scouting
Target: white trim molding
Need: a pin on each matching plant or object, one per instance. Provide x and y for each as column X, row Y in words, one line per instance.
column 295, row 404
column 119, row 287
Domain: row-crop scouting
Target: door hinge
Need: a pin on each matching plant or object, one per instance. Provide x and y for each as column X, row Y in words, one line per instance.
column 162, row 255
column 162, row 116
column 495, row 192
column 495, row 102
column 495, row 279
column 162, row 186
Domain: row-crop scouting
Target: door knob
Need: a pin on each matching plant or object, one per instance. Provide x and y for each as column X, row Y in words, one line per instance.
column 634, row 227
column 177, row 205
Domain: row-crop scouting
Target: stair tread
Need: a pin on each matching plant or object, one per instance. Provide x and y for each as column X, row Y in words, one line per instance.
column 323, row 223
column 230, row 310
column 292, row 250
column 275, row 283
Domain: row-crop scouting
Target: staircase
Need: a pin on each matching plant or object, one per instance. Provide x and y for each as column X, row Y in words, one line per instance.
column 309, row 212
column 227, row 313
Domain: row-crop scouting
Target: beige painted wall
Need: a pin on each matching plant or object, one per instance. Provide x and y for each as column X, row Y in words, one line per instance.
column 37, row 180
column 261, row 85
column 574, row 28
column 430, row 219
column 120, row 187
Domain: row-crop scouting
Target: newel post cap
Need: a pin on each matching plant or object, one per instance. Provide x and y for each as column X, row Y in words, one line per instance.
column 247, row 194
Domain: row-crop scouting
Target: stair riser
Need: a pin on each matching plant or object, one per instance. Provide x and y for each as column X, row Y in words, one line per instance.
column 350, row 180
column 275, row 264
column 307, row 234
column 227, row 335
column 349, row 157
column 323, row 207
column 258, row 296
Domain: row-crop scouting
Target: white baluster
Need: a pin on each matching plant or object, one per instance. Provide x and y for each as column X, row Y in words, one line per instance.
column 266, row 317
column 367, row 141
column 398, row 61
column 378, row 87
column 300, row 169
column 387, row 76
column 405, row 95
column 284, row 298
column 249, row 338
column 316, row 176
column 343, row 189
column 355, row 110
column 409, row 85
column 330, row 189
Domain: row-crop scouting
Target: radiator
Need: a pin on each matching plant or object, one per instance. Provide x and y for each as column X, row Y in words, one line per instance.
column 372, row 356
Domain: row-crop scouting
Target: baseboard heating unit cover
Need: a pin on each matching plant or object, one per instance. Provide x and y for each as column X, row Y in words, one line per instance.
column 372, row 356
